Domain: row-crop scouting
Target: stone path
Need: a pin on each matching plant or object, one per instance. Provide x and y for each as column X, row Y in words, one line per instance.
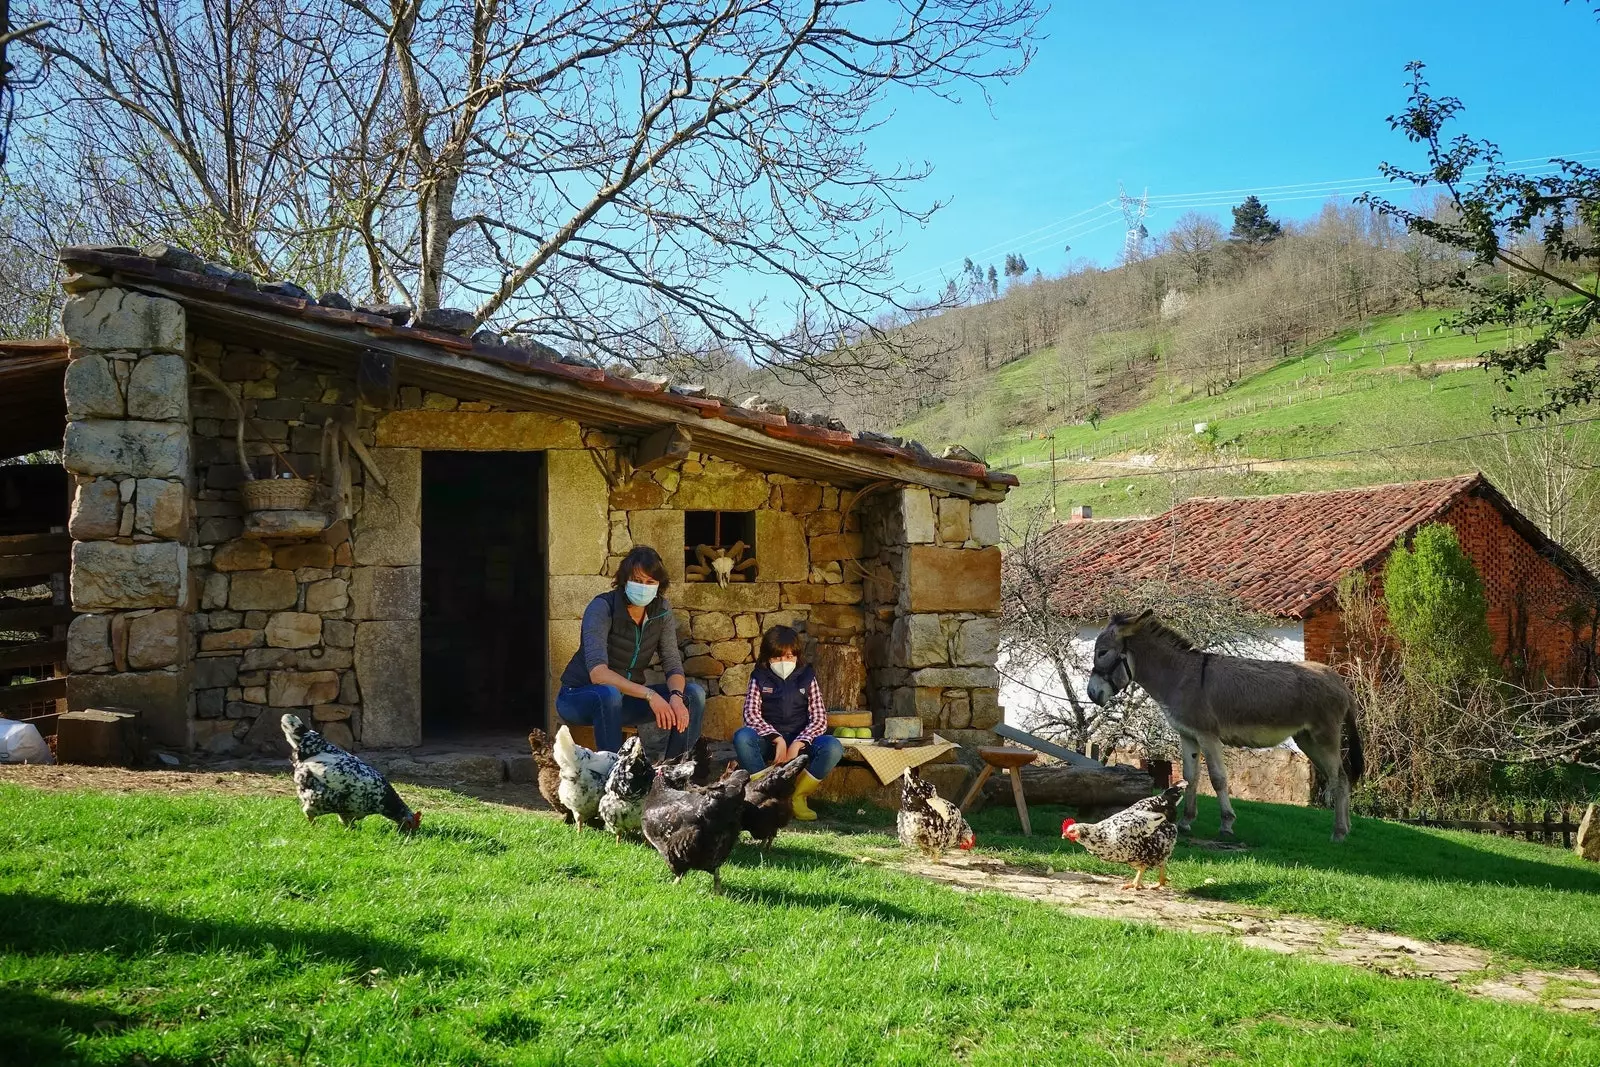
column 1471, row 970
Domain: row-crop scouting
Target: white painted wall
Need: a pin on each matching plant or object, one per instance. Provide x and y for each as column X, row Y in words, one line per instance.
column 1022, row 694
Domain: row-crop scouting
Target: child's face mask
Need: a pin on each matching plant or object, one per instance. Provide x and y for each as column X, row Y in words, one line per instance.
column 782, row 667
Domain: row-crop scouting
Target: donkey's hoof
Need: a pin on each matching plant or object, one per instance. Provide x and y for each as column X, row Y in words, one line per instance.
column 1225, row 834
column 1337, row 836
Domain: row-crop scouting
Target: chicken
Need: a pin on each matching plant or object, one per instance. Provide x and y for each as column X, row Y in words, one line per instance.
column 929, row 822
column 583, row 777
column 694, row 767
column 1141, row 835
column 330, row 781
column 695, row 829
column 544, row 759
column 766, row 800
column 622, row 800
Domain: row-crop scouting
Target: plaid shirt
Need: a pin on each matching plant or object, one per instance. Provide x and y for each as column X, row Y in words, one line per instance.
column 817, row 725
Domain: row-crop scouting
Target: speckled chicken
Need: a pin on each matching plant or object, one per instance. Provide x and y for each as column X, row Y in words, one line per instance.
column 694, row 767
column 583, row 777
column 544, row 760
column 622, row 800
column 330, row 781
column 696, row 828
column 767, row 800
column 1140, row 835
column 928, row 822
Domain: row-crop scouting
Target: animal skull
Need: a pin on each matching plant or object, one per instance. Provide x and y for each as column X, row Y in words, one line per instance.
column 722, row 566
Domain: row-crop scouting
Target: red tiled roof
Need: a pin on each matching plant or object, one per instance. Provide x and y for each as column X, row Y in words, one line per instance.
column 1281, row 555
column 219, row 289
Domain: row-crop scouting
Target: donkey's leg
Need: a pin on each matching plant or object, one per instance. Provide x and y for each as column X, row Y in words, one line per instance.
column 1191, row 777
column 1218, row 770
column 1329, row 761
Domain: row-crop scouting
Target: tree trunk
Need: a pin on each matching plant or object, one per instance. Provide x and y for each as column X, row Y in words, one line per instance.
column 1096, row 791
column 842, row 674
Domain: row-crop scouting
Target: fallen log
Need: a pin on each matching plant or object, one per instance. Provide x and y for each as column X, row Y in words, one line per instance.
column 1089, row 789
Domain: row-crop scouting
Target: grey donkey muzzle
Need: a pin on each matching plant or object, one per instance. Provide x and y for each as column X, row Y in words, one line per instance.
column 1102, row 688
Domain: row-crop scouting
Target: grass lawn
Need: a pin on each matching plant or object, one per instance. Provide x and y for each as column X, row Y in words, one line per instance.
column 1515, row 898
column 197, row 928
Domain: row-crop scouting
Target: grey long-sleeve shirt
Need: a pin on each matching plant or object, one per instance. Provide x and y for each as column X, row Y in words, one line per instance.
column 609, row 636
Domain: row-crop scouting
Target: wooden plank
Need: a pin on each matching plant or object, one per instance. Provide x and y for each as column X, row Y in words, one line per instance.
column 36, row 616
column 667, row 445
column 97, row 738
column 1066, row 755
column 35, row 565
column 32, row 692
column 33, row 655
column 29, row 544
column 377, row 384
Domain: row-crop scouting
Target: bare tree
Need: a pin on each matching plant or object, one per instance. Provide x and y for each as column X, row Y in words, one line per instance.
column 609, row 176
column 1196, row 241
column 1552, row 475
column 12, row 80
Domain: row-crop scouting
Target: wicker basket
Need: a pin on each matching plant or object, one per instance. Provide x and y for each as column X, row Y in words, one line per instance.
column 278, row 494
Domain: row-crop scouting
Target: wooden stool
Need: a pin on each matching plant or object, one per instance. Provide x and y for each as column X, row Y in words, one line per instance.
column 584, row 735
column 1011, row 760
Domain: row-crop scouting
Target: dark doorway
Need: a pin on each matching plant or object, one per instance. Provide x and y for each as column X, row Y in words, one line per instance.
column 483, row 592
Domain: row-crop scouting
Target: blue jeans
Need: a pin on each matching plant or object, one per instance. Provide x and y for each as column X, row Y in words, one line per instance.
column 755, row 752
column 608, row 711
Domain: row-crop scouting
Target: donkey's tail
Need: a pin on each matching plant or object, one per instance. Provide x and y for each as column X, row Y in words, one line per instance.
column 1356, row 761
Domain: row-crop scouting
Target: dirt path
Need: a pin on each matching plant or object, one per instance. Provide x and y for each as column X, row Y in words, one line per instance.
column 1471, row 970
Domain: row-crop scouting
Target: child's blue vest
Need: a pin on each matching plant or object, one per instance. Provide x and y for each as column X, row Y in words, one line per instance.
column 783, row 700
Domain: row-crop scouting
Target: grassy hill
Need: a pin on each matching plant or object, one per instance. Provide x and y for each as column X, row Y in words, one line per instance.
column 1349, row 410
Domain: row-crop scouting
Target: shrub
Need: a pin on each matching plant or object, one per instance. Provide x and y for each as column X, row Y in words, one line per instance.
column 1437, row 610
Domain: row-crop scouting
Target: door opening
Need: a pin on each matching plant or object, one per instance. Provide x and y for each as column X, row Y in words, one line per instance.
column 483, row 593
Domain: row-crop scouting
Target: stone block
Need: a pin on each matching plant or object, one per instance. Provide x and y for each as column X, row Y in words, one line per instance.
column 737, row 597
column 703, row 667
column 216, row 672
column 746, row 626
column 802, row 497
column 294, row 689
column 848, row 593
column 570, row 594
column 349, row 691
column 723, row 487
column 382, row 593
column 712, row 626
column 803, row 593
column 977, row 643
column 639, row 493
column 330, row 713
column 119, row 319
column 91, row 388
column 231, row 640
column 956, row 709
column 724, row 715
column 662, row 531
column 161, row 509
column 127, row 448
column 489, row 431
column 1587, row 844
column 158, row 639
column 214, row 594
column 108, row 575
column 387, row 529
column 293, row 557
column 580, row 529
column 89, row 643
column 294, row 629
column 330, row 594
column 388, row 664
column 917, row 526
column 96, row 511
column 986, row 524
column 781, row 553
column 336, row 633
column 562, row 638
column 161, row 698
column 731, row 652
column 952, row 579
column 959, row 677
column 270, row 590
column 918, row 641
column 829, row 548
column 735, row 680
column 821, row 523
column 955, row 520
column 274, row 524
column 158, row 389
column 838, row 616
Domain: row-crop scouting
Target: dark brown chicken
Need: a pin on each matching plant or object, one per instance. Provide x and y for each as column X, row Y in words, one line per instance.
column 544, row 759
column 767, row 806
column 696, row 828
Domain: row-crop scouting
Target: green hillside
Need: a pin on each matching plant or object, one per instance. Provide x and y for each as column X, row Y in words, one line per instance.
column 1326, row 418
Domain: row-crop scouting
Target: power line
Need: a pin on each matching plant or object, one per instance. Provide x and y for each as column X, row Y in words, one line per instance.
column 1343, row 453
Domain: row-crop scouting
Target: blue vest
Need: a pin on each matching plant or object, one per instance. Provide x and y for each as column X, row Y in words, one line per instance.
column 783, row 700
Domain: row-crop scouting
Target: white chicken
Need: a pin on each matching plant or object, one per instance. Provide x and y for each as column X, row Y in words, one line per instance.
column 583, row 776
column 330, row 781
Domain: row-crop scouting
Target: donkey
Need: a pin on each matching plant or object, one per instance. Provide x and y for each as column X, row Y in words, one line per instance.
column 1213, row 700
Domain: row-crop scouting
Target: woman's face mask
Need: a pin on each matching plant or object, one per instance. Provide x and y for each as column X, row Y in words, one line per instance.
column 782, row 667
column 641, row 593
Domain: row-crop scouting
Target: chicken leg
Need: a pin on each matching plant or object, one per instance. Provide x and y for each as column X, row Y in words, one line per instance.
column 1162, row 884
column 1138, row 880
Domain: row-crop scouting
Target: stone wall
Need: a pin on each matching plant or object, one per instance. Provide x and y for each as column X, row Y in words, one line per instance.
column 127, row 449
column 933, row 611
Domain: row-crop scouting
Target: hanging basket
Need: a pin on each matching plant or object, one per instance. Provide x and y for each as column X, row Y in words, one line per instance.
column 277, row 494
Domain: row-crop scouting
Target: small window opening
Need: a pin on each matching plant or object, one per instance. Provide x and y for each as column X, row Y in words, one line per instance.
column 710, row 535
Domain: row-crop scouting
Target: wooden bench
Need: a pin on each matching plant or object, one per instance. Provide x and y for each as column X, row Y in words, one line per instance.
column 584, row 735
column 1010, row 760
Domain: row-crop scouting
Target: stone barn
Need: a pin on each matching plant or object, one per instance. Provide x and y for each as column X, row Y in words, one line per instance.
column 471, row 498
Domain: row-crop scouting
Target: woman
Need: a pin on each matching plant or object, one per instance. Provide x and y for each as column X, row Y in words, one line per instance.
column 624, row 632
column 784, row 714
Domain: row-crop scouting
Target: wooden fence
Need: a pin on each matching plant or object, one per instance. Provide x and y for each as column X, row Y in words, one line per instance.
column 34, row 613
column 1550, row 827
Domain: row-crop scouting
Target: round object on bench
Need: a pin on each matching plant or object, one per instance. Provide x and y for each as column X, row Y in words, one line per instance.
column 1005, row 756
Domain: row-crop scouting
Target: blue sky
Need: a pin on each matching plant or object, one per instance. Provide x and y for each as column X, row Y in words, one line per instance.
column 1186, row 98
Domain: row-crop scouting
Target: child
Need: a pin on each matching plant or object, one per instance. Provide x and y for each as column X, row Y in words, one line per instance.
column 784, row 715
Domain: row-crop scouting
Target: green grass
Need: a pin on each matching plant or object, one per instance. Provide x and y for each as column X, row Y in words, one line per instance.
column 200, row 928
column 1514, row 898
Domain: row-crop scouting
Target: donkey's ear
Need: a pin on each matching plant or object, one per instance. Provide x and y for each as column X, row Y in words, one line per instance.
column 1127, row 624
